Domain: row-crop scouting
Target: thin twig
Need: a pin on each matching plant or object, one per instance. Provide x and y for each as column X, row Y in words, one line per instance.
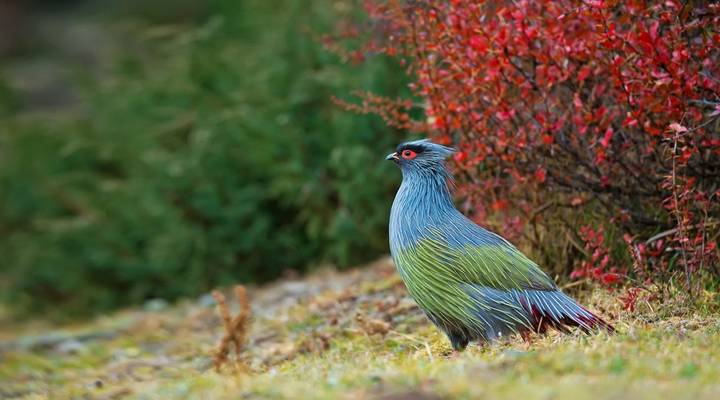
column 675, row 230
column 678, row 216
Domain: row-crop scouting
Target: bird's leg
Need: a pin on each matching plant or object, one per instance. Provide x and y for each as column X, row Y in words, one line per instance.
column 527, row 337
column 482, row 344
column 459, row 342
column 455, row 354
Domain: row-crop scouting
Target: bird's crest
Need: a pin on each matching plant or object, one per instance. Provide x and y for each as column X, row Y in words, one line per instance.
column 426, row 146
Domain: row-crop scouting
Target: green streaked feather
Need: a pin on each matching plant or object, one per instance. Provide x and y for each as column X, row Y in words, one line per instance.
column 438, row 275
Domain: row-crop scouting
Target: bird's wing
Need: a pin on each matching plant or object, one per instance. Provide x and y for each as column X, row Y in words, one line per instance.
column 462, row 272
column 472, row 255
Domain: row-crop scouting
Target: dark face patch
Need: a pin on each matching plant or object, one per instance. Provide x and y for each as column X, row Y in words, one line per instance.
column 417, row 149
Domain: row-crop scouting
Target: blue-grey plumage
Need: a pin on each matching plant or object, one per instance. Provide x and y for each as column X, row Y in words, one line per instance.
column 471, row 283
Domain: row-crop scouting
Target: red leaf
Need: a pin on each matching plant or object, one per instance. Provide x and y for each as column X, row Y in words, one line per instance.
column 504, row 115
column 500, row 205
column 678, row 128
column 605, row 141
column 630, row 121
column 540, row 174
column 479, row 43
column 583, row 73
column 610, row 278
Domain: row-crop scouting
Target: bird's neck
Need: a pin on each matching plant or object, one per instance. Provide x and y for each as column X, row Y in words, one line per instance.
column 427, row 189
column 423, row 200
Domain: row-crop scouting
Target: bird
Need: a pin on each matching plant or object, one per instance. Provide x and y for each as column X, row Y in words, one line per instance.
column 471, row 283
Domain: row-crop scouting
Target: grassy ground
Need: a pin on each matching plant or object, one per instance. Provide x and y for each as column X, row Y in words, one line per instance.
column 355, row 335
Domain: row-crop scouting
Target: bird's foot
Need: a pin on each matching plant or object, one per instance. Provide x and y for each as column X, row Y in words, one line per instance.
column 453, row 355
column 527, row 337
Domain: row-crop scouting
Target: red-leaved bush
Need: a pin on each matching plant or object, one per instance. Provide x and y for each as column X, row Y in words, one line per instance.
column 587, row 129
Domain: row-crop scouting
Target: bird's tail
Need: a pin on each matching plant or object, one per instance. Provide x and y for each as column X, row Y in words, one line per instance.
column 555, row 309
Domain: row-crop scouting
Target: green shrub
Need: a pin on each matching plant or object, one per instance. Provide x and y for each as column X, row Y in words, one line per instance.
column 210, row 155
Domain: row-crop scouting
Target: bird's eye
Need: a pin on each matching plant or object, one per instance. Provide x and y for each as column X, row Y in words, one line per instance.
column 408, row 154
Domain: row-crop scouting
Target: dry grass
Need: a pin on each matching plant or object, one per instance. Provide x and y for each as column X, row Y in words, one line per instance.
column 236, row 328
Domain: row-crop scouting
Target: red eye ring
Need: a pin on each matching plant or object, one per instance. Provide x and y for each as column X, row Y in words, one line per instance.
column 408, row 154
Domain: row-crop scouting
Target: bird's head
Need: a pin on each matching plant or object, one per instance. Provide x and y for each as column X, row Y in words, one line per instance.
column 420, row 155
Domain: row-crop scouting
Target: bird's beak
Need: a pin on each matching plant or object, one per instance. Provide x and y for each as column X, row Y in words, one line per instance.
column 393, row 157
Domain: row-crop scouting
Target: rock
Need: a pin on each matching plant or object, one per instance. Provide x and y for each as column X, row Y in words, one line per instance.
column 52, row 340
column 70, row 347
column 155, row 305
column 206, row 301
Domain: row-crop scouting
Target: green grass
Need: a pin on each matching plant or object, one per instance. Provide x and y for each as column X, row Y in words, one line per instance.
column 307, row 342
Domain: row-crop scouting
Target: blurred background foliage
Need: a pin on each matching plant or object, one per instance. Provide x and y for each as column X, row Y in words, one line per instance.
column 157, row 149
